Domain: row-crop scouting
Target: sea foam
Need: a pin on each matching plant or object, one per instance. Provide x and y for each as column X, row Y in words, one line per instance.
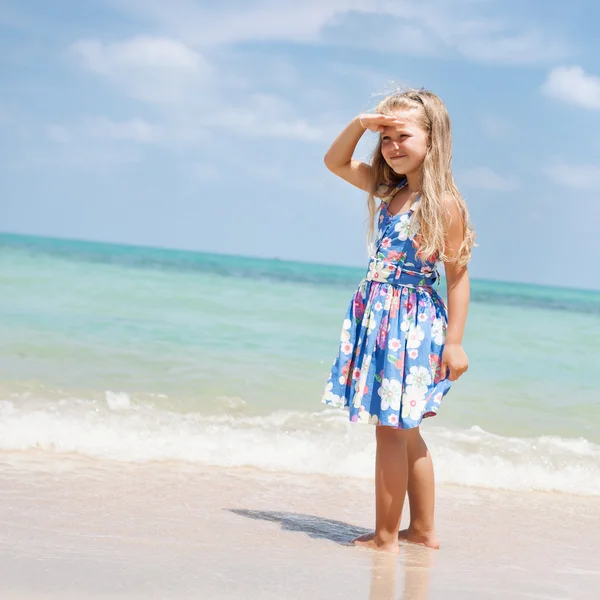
column 319, row 443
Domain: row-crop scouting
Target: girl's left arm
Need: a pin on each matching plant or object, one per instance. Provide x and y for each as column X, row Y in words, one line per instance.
column 454, row 358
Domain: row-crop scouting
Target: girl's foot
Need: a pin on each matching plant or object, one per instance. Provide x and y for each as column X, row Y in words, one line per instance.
column 424, row 538
column 370, row 540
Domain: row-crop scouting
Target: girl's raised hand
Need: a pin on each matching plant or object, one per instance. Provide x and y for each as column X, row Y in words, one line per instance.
column 377, row 123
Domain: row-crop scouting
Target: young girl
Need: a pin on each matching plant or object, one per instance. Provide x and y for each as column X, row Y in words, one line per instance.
column 400, row 349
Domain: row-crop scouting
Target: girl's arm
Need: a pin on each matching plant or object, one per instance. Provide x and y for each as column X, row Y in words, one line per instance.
column 454, row 359
column 338, row 158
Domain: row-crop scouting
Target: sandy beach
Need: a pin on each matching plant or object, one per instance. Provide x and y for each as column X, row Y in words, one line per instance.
column 79, row 529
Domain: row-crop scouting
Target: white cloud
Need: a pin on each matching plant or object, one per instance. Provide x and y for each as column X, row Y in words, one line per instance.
column 484, row 178
column 227, row 23
column 137, row 52
column 574, row 86
column 178, row 73
column 453, row 27
column 153, row 69
column 264, row 115
column 103, row 128
column 80, row 155
column 422, row 27
column 95, row 143
column 505, row 47
column 579, row 177
column 190, row 100
column 134, row 130
column 382, row 31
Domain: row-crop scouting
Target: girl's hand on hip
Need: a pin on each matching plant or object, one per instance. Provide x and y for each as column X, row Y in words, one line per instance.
column 377, row 123
column 454, row 362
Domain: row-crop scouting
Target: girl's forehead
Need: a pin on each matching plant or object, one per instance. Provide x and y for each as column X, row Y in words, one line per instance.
column 410, row 117
column 410, row 120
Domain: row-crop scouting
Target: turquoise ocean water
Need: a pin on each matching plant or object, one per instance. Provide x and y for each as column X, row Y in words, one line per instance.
column 137, row 354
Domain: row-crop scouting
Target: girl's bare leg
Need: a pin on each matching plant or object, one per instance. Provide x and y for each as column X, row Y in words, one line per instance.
column 391, row 480
column 421, row 494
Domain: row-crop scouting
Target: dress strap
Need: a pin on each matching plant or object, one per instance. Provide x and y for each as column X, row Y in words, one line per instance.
column 414, row 205
column 386, row 192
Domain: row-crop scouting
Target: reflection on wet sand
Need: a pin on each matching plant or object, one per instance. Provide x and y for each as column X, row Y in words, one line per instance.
column 415, row 563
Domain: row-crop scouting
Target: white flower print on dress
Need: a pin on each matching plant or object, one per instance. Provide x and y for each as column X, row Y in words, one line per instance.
column 330, row 398
column 345, row 336
column 371, row 323
column 388, row 301
column 414, row 227
column 386, row 242
column 364, row 415
column 362, row 288
column 357, row 399
column 403, row 227
column 422, row 317
column 413, row 402
column 419, row 377
column 415, row 336
column 394, row 344
column 392, row 419
column 438, row 331
column 378, row 306
column 407, row 321
column 391, row 394
column 413, row 354
column 346, row 348
column 379, row 270
column 362, row 382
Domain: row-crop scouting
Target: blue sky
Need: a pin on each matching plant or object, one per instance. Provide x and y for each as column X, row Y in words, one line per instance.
column 202, row 125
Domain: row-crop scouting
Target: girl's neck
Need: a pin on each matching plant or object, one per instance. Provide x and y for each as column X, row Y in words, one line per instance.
column 413, row 182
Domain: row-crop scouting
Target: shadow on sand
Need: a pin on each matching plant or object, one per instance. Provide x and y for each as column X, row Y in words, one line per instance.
column 316, row 527
column 416, row 560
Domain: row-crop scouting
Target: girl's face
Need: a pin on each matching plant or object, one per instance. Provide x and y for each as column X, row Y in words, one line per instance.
column 404, row 149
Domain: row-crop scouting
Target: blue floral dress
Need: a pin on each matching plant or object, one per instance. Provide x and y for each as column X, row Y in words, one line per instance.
column 388, row 367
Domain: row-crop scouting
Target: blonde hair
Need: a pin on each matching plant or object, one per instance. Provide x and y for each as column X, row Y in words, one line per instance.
column 431, row 214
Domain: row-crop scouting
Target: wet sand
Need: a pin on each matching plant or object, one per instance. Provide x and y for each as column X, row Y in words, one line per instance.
column 80, row 529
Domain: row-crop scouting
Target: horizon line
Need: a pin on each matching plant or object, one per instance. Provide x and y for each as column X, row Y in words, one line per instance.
column 265, row 258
